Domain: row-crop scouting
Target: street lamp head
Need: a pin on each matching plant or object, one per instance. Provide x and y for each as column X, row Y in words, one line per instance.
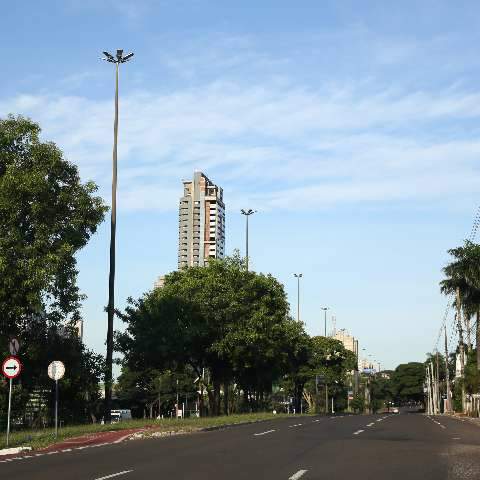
column 325, row 308
column 298, row 275
column 109, row 57
column 248, row 212
column 119, row 57
column 127, row 57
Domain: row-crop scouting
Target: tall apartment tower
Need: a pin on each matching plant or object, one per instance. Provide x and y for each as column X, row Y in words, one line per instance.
column 201, row 222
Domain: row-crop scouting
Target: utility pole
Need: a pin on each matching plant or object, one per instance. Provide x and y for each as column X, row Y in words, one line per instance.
column 447, row 373
column 437, row 379
column 461, row 345
column 117, row 60
column 434, row 389
column 298, row 276
column 247, row 213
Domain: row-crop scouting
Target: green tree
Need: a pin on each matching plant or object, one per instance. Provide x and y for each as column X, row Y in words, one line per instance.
column 463, row 278
column 332, row 362
column 46, row 215
column 381, row 392
column 407, row 382
column 219, row 318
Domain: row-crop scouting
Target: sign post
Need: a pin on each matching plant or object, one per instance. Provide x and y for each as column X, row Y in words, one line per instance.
column 13, row 346
column 11, row 368
column 56, row 371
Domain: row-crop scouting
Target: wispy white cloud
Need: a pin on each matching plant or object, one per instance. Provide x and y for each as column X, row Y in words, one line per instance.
column 270, row 142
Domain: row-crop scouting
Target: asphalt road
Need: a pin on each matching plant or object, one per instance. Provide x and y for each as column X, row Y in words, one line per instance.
column 385, row 447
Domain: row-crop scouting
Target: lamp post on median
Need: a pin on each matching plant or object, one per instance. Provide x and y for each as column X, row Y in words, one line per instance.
column 298, row 276
column 247, row 213
column 117, row 60
column 325, row 318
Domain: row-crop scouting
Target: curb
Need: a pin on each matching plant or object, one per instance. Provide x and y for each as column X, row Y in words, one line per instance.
column 232, row 425
column 13, row 451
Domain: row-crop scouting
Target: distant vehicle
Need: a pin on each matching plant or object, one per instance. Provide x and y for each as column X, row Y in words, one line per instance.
column 395, row 410
column 120, row 415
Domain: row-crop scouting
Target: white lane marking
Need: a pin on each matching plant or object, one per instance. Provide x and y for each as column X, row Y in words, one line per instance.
column 296, row 425
column 114, row 475
column 341, row 416
column 443, row 426
column 456, row 438
column 370, row 424
column 66, row 450
column 297, row 475
column 379, row 420
column 316, row 420
column 358, row 431
column 333, row 417
column 263, row 433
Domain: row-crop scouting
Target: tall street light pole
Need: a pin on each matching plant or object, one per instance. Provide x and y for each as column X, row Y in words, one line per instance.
column 298, row 276
column 247, row 213
column 325, row 318
column 117, row 60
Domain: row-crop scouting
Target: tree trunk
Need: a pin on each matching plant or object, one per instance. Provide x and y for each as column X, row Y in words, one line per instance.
column 225, row 398
column 467, row 328
column 216, row 397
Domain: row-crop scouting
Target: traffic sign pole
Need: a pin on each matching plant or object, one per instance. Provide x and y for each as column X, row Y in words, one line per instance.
column 9, row 410
column 56, row 408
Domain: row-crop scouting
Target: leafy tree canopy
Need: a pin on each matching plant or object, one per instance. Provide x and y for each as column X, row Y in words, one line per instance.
column 407, row 381
column 46, row 215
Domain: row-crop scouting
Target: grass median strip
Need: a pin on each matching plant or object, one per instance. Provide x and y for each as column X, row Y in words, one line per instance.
column 42, row 438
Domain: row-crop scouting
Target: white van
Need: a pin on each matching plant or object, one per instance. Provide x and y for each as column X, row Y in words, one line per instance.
column 120, row 415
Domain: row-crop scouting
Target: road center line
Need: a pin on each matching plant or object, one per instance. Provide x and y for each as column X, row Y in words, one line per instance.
column 296, row 425
column 263, row 433
column 370, row 424
column 114, row 475
column 358, row 431
column 297, row 475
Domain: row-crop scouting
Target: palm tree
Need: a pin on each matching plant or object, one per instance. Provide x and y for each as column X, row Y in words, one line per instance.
column 463, row 280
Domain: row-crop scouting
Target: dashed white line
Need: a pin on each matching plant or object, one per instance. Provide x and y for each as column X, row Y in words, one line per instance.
column 114, row 475
column 263, row 433
column 298, row 475
column 380, row 419
column 358, row 431
column 296, row 425
column 370, row 424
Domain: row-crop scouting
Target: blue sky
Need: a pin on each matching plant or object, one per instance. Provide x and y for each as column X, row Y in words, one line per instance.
column 352, row 127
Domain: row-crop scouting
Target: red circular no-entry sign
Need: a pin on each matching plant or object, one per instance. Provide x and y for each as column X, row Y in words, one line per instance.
column 11, row 367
